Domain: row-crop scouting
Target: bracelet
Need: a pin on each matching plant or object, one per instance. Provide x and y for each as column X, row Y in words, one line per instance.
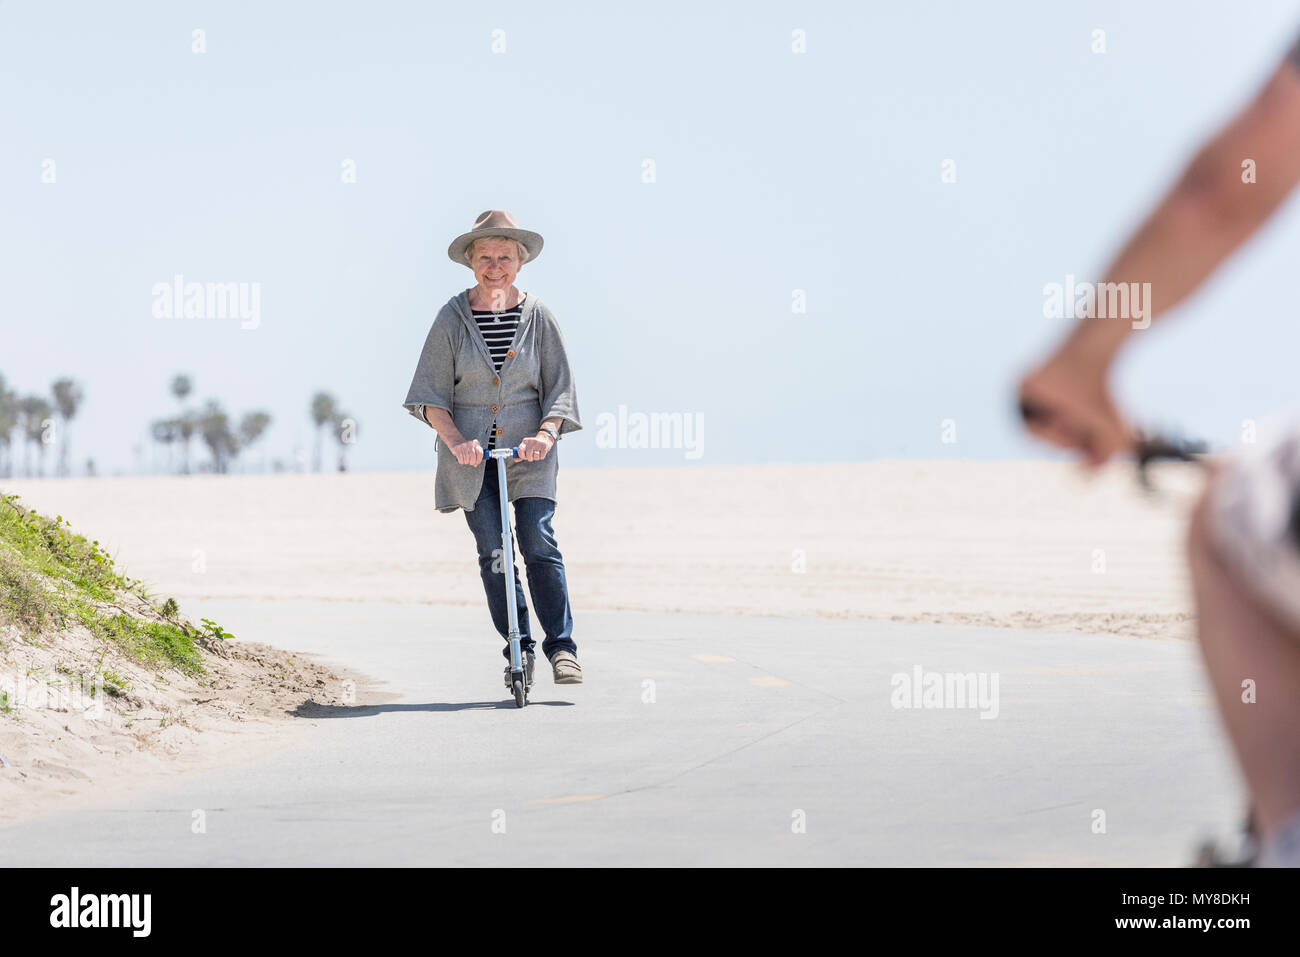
column 555, row 436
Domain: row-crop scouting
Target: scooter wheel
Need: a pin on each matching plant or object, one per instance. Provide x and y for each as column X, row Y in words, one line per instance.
column 521, row 694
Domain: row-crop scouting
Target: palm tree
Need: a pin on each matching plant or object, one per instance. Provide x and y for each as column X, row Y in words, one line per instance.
column 214, row 427
column 323, row 409
column 186, row 425
column 8, row 422
column 67, row 398
column 343, row 438
column 251, row 428
column 36, row 411
column 165, row 433
column 182, row 385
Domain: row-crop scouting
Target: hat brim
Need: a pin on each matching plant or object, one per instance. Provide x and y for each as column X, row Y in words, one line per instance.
column 532, row 242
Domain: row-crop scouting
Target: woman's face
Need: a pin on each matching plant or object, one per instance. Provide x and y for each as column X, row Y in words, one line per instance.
column 495, row 263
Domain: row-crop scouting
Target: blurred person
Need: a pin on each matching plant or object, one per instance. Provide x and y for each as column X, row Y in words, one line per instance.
column 1244, row 538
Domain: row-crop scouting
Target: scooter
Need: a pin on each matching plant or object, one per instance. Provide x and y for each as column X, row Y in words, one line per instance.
column 520, row 682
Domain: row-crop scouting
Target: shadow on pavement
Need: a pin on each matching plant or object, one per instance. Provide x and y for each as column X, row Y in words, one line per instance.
column 310, row 709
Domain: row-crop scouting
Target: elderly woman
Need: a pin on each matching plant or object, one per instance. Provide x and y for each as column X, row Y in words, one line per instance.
column 494, row 373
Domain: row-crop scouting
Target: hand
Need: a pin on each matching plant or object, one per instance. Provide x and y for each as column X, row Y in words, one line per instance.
column 1069, row 404
column 534, row 449
column 468, row 453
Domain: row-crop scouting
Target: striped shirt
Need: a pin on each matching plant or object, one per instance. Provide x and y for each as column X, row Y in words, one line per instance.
column 498, row 329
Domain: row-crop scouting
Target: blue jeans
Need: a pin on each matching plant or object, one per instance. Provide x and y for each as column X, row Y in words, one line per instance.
column 542, row 558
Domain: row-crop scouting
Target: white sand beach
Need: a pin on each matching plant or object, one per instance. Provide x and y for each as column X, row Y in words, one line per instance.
column 1009, row 544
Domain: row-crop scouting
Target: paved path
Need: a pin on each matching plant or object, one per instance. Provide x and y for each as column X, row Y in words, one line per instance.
column 695, row 740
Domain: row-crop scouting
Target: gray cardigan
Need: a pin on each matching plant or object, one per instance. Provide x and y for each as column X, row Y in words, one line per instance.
column 455, row 373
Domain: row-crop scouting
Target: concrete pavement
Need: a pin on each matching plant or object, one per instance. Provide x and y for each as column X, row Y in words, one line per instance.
column 694, row 740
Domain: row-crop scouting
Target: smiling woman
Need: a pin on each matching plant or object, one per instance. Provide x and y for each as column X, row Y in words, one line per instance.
column 494, row 371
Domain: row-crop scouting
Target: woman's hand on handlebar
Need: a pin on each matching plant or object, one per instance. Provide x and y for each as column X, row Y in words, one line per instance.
column 468, row 452
column 535, row 449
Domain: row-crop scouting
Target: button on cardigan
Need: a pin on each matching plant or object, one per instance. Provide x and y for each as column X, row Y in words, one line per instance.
column 455, row 372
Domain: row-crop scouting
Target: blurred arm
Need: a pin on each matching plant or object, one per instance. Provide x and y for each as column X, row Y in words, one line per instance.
column 1210, row 211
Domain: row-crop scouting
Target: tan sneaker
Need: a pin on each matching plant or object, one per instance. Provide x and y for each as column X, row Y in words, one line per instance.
column 566, row 668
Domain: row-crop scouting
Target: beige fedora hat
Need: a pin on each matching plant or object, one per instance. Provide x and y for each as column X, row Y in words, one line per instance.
column 494, row 222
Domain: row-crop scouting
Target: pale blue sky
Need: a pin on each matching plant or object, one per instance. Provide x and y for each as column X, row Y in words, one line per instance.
column 775, row 172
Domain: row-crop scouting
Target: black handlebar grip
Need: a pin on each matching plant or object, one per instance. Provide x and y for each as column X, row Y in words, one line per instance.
column 1295, row 520
column 1031, row 413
